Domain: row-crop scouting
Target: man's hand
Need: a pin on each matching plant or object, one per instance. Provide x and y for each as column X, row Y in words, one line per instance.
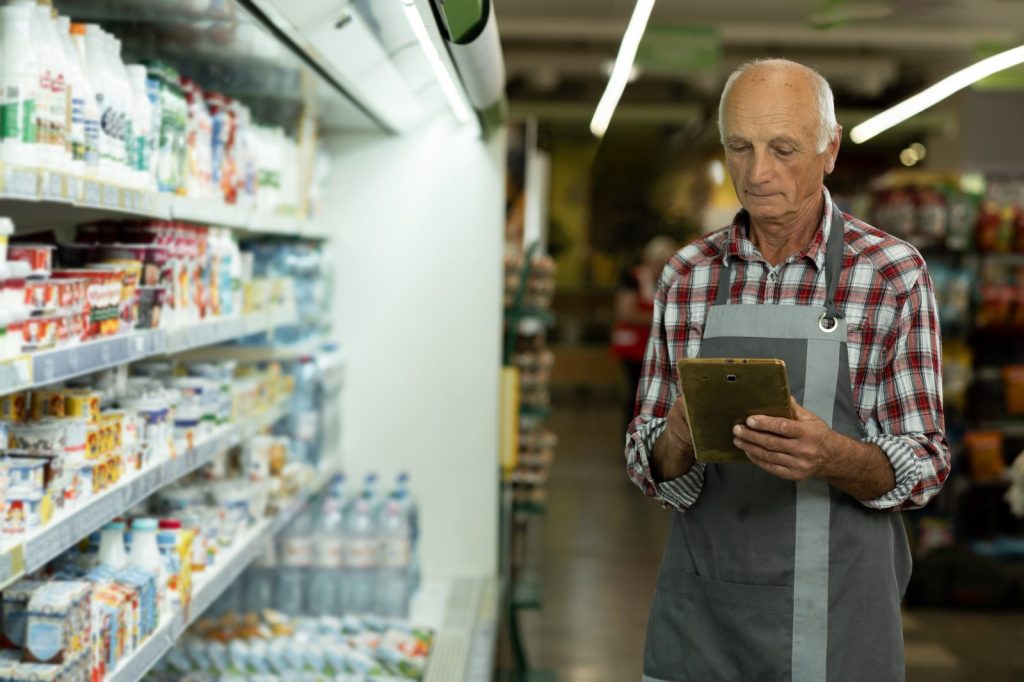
column 673, row 452
column 793, row 449
column 805, row 447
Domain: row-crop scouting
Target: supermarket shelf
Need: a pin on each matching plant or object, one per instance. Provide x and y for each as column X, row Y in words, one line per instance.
column 252, row 353
column 211, row 584
column 465, row 613
column 52, row 194
column 47, row 367
column 45, row 544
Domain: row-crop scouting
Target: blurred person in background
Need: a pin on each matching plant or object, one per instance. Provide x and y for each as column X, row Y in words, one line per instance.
column 634, row 305
column 791, row 566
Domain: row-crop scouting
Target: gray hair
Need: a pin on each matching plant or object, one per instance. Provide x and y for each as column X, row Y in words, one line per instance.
column 823, row 93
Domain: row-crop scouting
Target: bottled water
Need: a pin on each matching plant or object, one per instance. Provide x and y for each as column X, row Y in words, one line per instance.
column 394, row 556
column 412, row 511
column 361, row 554
column 325, row 596
column 296, row 560
column 259, row 581
column 304, row 415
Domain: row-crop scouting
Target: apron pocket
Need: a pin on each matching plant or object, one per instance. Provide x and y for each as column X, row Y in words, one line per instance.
column 704, row 630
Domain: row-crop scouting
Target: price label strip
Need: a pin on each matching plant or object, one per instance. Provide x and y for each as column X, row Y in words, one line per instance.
column 91, row 193
column 15, row 374
column 12, row 565
column 21, row 183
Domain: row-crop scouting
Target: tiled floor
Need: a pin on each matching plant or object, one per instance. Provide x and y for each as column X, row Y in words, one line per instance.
column 601, row 542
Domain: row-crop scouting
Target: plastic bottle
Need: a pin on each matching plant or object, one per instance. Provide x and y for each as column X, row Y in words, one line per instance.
column 297, row 555
column 361, row 555
column 102, row 83
column 76, row 92
column 394, row 559
column 259, row 582
column 18, row 86
column 326, row 595
column 90, row 109
column 52, row 103
column 112, row 552
column 124, row 100
column 198, row 182
column 152, row 90
column 304, row 416
column 167, row 540
column 142, row 116
column 412, row 511
column 145, row 554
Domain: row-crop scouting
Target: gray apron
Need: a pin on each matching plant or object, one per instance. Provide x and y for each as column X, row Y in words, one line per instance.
column 765, row 579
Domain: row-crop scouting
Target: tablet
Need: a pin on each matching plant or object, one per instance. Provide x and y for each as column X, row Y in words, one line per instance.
column 722, row 392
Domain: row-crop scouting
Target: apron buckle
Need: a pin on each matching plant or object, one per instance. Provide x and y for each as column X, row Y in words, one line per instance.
column 827, row 324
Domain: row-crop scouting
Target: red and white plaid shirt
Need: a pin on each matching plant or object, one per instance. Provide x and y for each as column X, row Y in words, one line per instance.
column 895, row 348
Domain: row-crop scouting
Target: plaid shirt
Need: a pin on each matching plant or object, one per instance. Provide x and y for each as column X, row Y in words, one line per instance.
column 894, row 347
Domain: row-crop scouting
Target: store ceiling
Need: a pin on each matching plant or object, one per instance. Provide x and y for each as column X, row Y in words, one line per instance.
column 873, row 52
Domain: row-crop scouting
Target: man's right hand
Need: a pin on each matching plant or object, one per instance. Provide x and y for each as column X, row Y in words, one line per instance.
column 673, row 452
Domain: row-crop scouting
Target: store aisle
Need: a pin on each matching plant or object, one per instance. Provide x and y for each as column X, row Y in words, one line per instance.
column 599, row 547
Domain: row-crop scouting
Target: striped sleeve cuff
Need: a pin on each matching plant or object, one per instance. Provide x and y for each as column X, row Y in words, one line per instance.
column 904, row 464
column 680, row 493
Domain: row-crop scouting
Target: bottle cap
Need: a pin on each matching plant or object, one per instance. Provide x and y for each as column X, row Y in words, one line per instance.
column 144, row 524
column 170, row 524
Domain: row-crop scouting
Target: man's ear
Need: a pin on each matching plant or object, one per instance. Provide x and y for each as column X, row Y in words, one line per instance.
column 832, row 150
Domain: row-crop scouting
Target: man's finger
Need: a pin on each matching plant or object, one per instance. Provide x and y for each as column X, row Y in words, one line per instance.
column 776, row 463
column 779, row 425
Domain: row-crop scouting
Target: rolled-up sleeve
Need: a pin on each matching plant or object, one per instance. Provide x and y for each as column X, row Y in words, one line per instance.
column 909, row 408
column 655, row 395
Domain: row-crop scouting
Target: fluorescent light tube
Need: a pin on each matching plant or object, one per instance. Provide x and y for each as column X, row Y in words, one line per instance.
column 441, row 72
column 623, row 67
column 936, row 93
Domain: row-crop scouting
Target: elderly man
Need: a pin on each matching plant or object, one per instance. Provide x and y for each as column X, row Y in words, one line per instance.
column 793, row 566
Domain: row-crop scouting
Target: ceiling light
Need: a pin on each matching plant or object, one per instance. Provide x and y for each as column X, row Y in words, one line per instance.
column 609, row 65
column 716, row 169
column 623, row 67
column 908, row 157
column 919, row 149
column 936, row 93
column 441, row 72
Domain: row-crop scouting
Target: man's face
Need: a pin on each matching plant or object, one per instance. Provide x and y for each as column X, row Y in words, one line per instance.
column 771, row 121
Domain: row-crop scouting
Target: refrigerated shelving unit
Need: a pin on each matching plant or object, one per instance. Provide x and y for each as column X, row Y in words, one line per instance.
column 409, row 184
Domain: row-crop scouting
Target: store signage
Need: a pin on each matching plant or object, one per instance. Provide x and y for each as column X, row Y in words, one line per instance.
column 680, row 49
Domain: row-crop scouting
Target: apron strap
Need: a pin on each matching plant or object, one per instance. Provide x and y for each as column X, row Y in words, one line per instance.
column 834, row 262
column 724, row 284
column 833, row 268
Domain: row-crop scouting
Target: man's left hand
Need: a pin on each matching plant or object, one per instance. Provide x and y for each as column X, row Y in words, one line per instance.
column 792, row 449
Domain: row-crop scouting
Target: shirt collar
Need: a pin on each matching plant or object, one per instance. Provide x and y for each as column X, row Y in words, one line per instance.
column 738, row 244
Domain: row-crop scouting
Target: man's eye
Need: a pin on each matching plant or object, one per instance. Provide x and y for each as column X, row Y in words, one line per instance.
column 737, row 148
column 783, row 151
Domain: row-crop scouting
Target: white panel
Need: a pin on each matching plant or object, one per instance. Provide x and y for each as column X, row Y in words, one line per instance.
column 418, row 309
column 538, row 184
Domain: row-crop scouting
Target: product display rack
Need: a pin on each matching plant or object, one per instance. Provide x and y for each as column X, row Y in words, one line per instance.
column 47, row 367
column 212, row 583
column 44, row 544
column 44, row 194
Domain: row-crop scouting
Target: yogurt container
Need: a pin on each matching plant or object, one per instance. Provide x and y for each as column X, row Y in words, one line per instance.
column 22, row 514
column 26, row 477
column 49, row 435
column 38, row 256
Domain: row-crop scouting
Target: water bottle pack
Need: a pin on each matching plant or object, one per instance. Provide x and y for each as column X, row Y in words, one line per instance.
column 350, row 554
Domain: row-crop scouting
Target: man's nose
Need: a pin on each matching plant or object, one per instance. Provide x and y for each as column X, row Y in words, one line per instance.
column 761, row 167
